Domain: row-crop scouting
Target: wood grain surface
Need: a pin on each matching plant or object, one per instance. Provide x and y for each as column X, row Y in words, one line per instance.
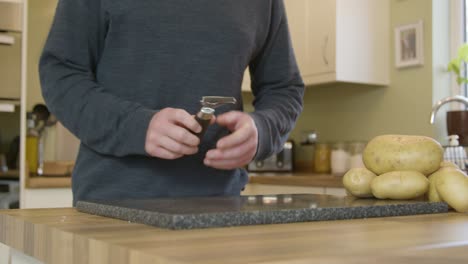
column 67, row 236
column 297, row 179
column 11, row 174
column 289, row 179
column 48, row 182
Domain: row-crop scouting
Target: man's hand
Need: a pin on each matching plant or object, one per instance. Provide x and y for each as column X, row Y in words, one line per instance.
column 169, row 134
column 237, row 149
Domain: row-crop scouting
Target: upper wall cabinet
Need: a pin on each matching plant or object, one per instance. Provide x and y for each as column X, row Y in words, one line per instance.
column 339, row 40
column 10, row 49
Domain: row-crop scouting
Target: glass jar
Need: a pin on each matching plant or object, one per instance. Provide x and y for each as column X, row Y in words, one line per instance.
column 355, row 150
column 322, row 158
column 32, row 144
column 339, row 159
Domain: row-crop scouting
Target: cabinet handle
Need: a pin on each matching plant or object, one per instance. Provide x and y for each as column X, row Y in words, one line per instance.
column 6, row 40
column 324, row 50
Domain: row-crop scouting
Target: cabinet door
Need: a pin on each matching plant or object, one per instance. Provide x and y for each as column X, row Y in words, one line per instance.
column 298, row 19
column 314, row 35
column 312, row 25
column 10, row 65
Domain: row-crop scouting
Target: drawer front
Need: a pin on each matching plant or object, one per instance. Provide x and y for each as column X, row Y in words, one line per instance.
column 10, row 65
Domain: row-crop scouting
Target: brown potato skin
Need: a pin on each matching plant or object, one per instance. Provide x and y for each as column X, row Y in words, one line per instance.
column 388, row 153
column 400, row 185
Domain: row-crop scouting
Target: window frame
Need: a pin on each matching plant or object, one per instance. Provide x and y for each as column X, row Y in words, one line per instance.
column 458, row 27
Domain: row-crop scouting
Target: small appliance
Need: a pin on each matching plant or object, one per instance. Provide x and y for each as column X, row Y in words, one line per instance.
column 281, row 162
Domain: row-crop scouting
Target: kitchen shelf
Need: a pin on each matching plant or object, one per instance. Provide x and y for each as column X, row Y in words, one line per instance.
column 48, row 182
column 11, row 174
column 7, row 105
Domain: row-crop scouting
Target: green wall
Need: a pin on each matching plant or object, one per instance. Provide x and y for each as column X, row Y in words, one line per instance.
column 349, row 112
column 41, row 14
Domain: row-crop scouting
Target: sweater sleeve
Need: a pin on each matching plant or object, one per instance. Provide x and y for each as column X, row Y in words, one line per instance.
column 277, row 86
column 102, row 121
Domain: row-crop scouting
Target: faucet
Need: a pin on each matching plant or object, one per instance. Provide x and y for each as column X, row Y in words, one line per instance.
column 456, row 98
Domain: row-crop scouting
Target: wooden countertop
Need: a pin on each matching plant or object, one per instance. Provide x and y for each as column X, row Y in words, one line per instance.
column 297, row 179
column 67, row 236
column 44, row 182
column 11, row 174
column 293, row 179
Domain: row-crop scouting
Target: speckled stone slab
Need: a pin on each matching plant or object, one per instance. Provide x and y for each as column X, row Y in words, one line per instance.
column 204, row 212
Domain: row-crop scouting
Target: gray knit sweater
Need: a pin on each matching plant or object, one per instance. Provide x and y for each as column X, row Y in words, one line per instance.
column 109, row 65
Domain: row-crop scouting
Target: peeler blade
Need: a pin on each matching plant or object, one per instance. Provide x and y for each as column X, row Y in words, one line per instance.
column 214, row 101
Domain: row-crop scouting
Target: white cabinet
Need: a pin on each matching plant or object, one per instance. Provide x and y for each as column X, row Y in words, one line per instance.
column 312, row 25
column 265, row 189
column 339, row 40
column 335, row 191
column 46, row 198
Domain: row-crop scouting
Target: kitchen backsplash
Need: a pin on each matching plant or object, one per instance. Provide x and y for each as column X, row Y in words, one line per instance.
column 350, row 112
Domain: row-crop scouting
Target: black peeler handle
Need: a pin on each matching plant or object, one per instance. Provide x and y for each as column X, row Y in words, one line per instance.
column 204, row 118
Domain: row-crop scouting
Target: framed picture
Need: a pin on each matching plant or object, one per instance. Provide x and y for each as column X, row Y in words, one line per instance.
column 409, row 46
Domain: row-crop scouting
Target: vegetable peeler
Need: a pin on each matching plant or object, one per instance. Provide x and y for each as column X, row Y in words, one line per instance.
column 205, row 114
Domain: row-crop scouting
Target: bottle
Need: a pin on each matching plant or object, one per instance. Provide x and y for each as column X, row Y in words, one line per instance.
column 322, row 158
column 339, row 159
column 355, row 151
column 307, row 149
column 32, row 144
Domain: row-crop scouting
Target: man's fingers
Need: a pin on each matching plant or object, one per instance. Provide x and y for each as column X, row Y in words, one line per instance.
column 236, row 152
column 238, row 137
column 162, row 153
column 213, row 120
column 229, row 119
column 170, row 134
column 176, row 147
column 182, row 135
column 186, row 120
column 227, row 164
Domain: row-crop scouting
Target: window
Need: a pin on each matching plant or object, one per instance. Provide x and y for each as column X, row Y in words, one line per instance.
column 464, row 89
column 459, row 35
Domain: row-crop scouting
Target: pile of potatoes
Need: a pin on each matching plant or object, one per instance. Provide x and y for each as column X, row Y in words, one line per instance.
column 408, row 167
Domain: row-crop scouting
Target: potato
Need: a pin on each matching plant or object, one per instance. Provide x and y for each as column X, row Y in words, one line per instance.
column 432, row 194
column 399, row 185
column 445, row 167
column 447, row 163
column 403, row 153
column 452, row 187
column 357, row 182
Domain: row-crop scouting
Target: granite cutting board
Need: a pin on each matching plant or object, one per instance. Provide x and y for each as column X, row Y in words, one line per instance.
column 204, row 212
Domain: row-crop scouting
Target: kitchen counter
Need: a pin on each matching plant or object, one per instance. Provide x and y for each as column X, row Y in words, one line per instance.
column 293, row 179
column 67, row 236
column 304, row 179
column 41, row 182
column 9, row 175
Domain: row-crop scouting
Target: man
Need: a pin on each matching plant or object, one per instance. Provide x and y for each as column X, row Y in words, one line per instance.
column 127, row 76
